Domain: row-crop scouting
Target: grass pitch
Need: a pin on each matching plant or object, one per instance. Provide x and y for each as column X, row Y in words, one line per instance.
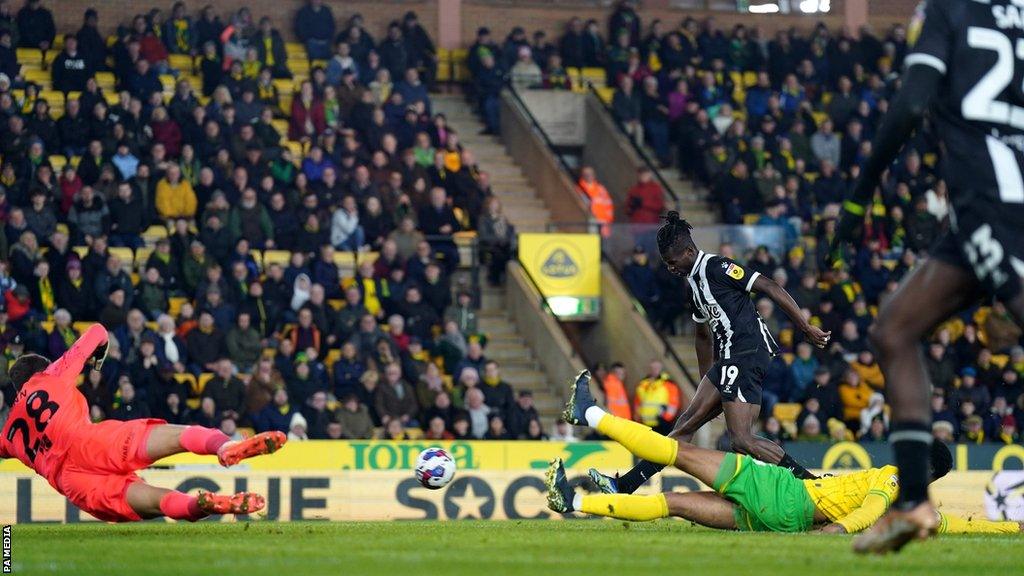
column 480, row 548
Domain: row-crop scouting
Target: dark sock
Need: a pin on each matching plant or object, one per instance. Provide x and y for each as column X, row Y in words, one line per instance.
column 638, row 476
column 911, row 442
column 796, row 468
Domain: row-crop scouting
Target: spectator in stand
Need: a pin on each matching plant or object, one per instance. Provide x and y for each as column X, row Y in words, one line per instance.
column 627, row 107
column 395, row 399
column 645, row 201
column 36, row 28
column 71, row 68
column 616, row 396
column 640, row 278
column 175, row 197
column 601, row 206
column 488, row 82
column 657, row 399
column 354, row 418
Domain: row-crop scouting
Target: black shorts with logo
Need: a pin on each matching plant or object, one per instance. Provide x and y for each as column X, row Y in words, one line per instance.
column 739, row 378
column 985, row 238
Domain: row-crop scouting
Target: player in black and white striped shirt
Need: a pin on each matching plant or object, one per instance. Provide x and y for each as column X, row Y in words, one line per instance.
column 734, row 348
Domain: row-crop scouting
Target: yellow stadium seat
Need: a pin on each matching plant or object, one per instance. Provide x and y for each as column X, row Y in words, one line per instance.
column 142, row 256
column 182, row 62
column 320, row 63
column 75, row 160
column 81, row 327
column 187, row 380
column 111, row 40
column 276, row 257
column 55, row 98
column 174, row 304
column 81, row 250
column 203, row 380
column 111, row 97
column 295, row 49
column 106, row 80
column 57, row 162
column 461, row 72
column 37, row 76
column 414, row 433
column 749, row 79
column 46, row 325
column 154, row 233
column 460, row 55
column 344, row 259
column 336, row 303
column 595, row 76
column 333, row 356
column 257, row 256
column 606, row 94
column 368, row 257
column 167, row 81
column 1000, row 360
column 126, row 255
column 29, row 56
column 285, row 104
column 444, row 71
column 295, row 148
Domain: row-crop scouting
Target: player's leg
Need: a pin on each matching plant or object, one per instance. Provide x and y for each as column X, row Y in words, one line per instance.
column 739, row 419
column 928, row 296
column 740, row 390
column 167, row 440
column 705, row 508
column 640, row 440
column 704, row 407
column 153, row 502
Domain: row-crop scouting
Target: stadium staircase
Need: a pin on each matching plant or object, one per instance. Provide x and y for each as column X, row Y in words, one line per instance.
column 520, row 201
column 527, row 212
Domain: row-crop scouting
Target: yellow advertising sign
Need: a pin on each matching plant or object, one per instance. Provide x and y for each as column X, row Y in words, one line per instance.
column 567, row 270
column 563, row 264
column 386, row 455
column 391, row 495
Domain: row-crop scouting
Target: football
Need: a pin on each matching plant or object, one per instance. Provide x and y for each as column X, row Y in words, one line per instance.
column 434, row 468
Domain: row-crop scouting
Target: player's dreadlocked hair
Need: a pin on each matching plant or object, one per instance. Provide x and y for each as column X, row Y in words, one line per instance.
column 25, row 367
column 941, row 460
column 675, row 232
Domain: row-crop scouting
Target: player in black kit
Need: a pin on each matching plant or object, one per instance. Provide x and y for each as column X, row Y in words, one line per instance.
column 965, row 67
column 733, row 346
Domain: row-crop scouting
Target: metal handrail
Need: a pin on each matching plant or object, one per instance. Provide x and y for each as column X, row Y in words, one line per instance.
column 636, row 147
column 669, row 349
column 540, row 131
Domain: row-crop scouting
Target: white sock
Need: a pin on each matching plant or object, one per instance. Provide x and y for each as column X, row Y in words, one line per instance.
column 593, row 416
column 577, row 501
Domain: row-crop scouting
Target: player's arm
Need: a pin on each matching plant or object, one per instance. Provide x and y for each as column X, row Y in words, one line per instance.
column 949, row 524
column 87, row 347
column 783, row 300
column 871, row 509
column 926, row 66
column 704, row 346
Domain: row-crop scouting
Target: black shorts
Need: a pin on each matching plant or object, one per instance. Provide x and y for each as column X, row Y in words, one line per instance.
column 986, row 239
column 739, row 378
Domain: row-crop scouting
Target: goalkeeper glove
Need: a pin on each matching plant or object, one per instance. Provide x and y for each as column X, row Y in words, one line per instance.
column 98, row 356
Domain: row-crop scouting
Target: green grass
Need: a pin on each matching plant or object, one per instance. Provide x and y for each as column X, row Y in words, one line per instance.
column 480, row 548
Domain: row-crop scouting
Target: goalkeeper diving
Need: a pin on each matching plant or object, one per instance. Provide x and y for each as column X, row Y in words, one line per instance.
column 748, row 494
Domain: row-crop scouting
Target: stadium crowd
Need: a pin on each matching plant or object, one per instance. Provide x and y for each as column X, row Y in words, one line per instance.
column 269, row 234
column 296, row 216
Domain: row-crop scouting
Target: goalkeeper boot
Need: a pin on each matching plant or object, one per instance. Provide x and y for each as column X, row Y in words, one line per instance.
column 607, row 484
column 232, row 453
column 241, row 503
column 579, row 400
column 560, row 493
